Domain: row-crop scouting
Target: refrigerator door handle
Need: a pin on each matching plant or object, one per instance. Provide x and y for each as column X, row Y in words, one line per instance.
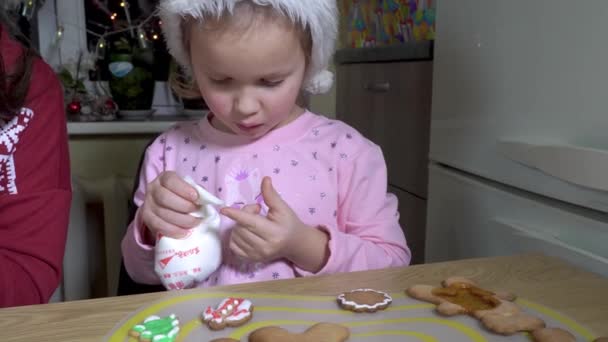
column 583, row 166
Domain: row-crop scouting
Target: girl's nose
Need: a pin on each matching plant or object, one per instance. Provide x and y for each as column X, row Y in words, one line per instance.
column 246, row 104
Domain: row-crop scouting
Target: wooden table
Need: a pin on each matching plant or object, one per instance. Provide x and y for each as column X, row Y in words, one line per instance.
column 547, row 281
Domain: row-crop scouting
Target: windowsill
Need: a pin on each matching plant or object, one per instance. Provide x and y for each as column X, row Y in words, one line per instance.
column 153, row 125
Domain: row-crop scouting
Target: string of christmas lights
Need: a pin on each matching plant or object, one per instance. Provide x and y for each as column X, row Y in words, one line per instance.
column 136, row 30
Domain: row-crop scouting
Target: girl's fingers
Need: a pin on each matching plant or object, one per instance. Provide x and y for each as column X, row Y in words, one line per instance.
column 157, row 225
column 238, row 247
column 254, row 209
column 184, row 221
column 178, row 186
column 271, row 196
column 248, row 238
column 165, row 198
column 253, row 222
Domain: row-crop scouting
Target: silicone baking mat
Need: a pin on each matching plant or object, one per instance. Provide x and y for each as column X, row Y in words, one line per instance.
column 406, row 319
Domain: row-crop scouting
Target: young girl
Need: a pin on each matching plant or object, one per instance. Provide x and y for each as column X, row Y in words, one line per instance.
column 304, row 194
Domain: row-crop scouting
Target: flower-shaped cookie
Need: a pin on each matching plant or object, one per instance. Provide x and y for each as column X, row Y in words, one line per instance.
column 364, row 300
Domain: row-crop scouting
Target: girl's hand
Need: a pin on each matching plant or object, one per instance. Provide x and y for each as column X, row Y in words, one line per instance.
column 168, row 202
column 281, row 234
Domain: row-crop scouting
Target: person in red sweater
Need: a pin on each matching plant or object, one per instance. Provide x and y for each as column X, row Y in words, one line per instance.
column 35, row 187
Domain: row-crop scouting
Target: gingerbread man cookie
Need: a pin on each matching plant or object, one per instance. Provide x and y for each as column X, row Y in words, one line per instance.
column 157, row 329
column 231, row 312
column 552, row 335
column 326, row 332
column 462, row 296
column 364, row 300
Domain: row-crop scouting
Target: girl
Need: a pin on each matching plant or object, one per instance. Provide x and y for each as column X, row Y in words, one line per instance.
column 304, row 194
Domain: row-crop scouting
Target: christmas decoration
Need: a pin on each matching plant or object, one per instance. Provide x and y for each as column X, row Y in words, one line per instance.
column 74, row 107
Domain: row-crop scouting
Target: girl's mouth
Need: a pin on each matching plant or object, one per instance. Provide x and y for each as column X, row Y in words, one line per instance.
column 248, row 128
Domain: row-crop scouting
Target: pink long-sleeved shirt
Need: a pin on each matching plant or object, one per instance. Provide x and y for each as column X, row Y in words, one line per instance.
column 331, row 176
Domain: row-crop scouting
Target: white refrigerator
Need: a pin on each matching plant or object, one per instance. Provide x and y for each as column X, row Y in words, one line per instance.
column 519, row 131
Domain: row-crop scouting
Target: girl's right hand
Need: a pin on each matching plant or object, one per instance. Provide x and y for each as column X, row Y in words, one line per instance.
column 168, row 202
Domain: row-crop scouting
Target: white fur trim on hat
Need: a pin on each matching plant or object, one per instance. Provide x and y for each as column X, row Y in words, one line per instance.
column 321, row 16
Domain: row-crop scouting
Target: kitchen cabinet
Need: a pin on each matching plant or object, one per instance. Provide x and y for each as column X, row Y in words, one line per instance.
column 389, row 102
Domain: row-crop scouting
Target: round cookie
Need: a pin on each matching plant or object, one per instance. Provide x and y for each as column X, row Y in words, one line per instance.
column 327, row 332
column 552, row 335
column 364, row 300
column 231, row 312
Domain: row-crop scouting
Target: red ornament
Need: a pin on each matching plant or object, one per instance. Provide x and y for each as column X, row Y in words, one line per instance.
column 110, row 104
column 74, row 107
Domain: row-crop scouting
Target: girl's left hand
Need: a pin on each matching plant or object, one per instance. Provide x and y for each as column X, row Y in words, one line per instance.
column 264, row 239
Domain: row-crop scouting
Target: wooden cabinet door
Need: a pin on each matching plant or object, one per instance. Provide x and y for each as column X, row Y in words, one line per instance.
column 402, row 108
column 390, row 103
column 353, row 104
column 412, row 217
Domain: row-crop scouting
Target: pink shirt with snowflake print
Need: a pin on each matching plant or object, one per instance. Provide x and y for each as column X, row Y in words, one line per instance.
column 331, row 176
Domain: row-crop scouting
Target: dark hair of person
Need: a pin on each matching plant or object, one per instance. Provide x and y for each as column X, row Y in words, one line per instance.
column 14, row 83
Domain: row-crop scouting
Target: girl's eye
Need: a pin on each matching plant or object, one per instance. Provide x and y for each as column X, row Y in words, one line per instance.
column 271, row 83
column 220, row 81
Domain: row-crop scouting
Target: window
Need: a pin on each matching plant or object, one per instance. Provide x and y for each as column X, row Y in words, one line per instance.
column 81, row 22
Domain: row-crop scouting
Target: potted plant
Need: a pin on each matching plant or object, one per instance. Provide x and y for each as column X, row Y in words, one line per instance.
column 131, row 77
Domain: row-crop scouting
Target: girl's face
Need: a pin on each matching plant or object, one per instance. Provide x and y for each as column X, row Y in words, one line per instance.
column 250, row 78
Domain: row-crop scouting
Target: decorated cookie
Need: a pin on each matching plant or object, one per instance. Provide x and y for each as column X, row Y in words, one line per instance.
column 364, row 300
column 157, row 329
column 462, row 296
column 326, row 332
column 231, row 312
column 552, row 335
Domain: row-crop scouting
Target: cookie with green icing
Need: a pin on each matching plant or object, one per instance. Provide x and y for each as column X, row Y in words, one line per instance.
column 156, row 329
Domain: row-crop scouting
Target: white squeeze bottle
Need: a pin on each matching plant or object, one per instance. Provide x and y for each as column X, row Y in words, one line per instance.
column 182, row 263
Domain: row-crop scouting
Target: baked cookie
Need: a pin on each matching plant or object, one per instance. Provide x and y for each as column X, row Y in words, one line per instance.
column 462, row 296
column 157, row 329
column 364, row 300
column 552, row 335
column 326, row 332
column 231, row 312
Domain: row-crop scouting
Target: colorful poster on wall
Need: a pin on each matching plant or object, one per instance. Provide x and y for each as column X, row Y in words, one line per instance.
column 369, row 23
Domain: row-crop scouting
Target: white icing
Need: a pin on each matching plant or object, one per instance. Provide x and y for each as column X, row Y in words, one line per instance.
column 151, row 318
column 230, row 307
column 387, row 300
column 245, row 305
column 238, row 317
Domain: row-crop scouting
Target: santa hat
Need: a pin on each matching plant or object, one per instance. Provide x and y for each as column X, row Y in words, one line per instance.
column 320, row 16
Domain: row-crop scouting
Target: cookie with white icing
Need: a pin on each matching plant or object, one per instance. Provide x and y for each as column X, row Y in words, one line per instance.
column 231, row 312
column 364, row 300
